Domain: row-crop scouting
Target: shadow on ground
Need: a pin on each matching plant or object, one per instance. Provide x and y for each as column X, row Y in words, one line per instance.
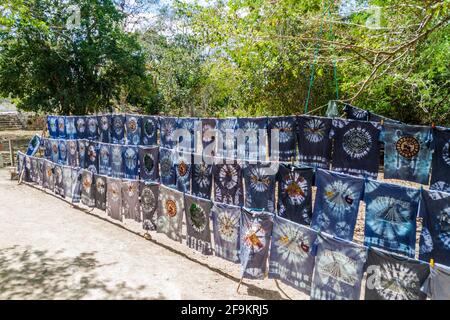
column 34, row 274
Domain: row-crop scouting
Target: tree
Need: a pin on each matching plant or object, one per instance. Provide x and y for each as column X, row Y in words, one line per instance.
column 49, row 65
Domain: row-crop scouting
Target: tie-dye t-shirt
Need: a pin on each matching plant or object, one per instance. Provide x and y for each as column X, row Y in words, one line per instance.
column 226, row 137
column 87, row 188
column 251, row 138
column 62, row 152
column 202, row 177
column 167, row 127
column 198, row 234
column 392, row 277
column 72, row 153
column 407, row 152
column 118, row 128
column 337, row 203
column 255, row 235
column 437, row 285
column 59, row 180
column 92, row 156
column 114, row 198
column 104, row 159
column 314, row 143
column 71, row 130
column 68, row 176
column 149, row 130
column 80, row 125
column 185, row 139
column 295, row 193
column 130, row 200
column 117, row 163
column 209, row 134
column 49, row 179
column 54, row 157
column 100, row 191
column 149, row 193
column 355, row 113
column 290, row 259
column 390, row 219
column 356, row 147
column 92, row 128
column 82, row 152
column 170, row 213
column 338, row 270
column 104, row 128
column 167, row 167
column 149, row 163
column 440, row 167
column 131, row 162
column 61, row 127
column 133, row 125
column 435, row 236
column 52, row 126
column 183, row 171
column 226, row 225
column 285, row 149
column 260, row 185
column 228, row 183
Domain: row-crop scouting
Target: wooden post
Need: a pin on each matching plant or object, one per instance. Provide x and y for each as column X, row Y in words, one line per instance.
column 11, row 155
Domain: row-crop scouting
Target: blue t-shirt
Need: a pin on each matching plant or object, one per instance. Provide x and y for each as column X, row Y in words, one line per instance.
column 286, row 127
column 226, row 226
column 104, row 128
column 260, row 185
column 440, row 167
column 133, row 125
column 149, row 163
column 130, row 160
column 118, row 128
column 149, row 130
column 167, row 167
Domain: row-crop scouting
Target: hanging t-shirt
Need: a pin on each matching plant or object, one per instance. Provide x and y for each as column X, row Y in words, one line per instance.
column 226, row 225
column 54, row 157
column 183, row 167
column 356, row 147
column 71, row 129
column 61, row 127
column 40, row 168
column 314, row 143
column 290, row 259
column 82, row 152
column 198, row 234
column 185, row 140
column 170, row 213
column 255, row 235
column 87, row 188
column 260, row 185
column 392, row 277
column 339, row 266
column 149, row 193
column 337, row 203
column 80, row 125
column 148, row 163
column 130, row 200
column 355, row 113
column 390, row 219
column 33, row 145
column 228, row 183
column 59, row 180
column 437, row 285
column 167, row 126
column 209, row 133
column 34, row 170
column 104, row 128
column 52, row 126
column 285, row 149
column 202, row 177
column 76, row 185
column 62, row 152
column 167, row 172
column 100, row 191
column 92, row 128
column 149, row 130
column 130, row 160
column 440, row 166
column 117, row 163
column 407, row 152
column 49, row 179
column 47, row 148
column 435, row 236
column 114, row 198
column 68, row 179
column 118, row 128
column 251, row 137
column 72, row 153
column 133, row 125
column 92, row 156
column 104, row 159
column 295, row 193
column 226, row 137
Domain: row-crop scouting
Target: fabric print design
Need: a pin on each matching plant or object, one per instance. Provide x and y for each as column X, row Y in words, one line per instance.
column 440, row 166
column 49, row 179
column 170, row 213
column 72, row 153
column 356, row 147
column 82, row 153
column 87, row 189
column 80, row 124
column 209, row 133
column 198, row 234
column 191, row 126
column 148, row 161
column 130, row 200
column 100, row 191
column 55, row 150
column 255, row 235
column 183, row 172
column 337, row 203
column 226, row 142
column 92, row 128
column 435, row 236
column 118, row 129
column 260, row 186
column 314, row 143
column 62, row 152
column 61, row 127
column 104, row 159
column 52, row 126
column 355, row 113
column 339, row 267
column 392, row 277
column 71, row 129
column 92, row 157
column 130, row 160
column 295, row 193
column 149, row 193
column 226, row 226
column 117, row 163
column 167, row 167
column 202, row 179
column 290, row 259
column 167, row 126
column 68, row 179
column 253, row 145
column 286, row 150
column 133, row 125
column 437, row 285
column 114, row 198
column 407, row 154
column 104, row 127
column 59, row 181
column 390, row 221
column 149, row 130
column 228, row 183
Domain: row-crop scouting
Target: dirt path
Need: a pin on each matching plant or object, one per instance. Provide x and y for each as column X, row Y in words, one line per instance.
column 49, row 250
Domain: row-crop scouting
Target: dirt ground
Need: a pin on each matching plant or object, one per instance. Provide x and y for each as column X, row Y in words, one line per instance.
column 50, row 250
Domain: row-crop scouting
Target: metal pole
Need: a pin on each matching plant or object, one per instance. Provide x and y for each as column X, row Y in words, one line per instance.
column 11, row 155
